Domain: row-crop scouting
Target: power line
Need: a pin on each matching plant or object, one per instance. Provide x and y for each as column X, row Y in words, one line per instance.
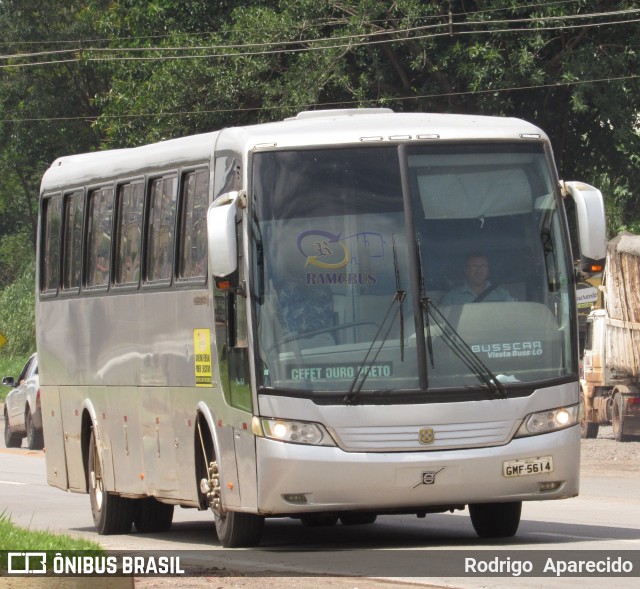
column 385, row 100
column 320, row 22
column 357, row 40
column 349, row 45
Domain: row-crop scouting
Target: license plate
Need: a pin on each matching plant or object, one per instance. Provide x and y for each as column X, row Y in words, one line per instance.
column 526, row 466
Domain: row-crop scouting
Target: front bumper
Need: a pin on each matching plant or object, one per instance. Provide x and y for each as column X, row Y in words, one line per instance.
column 295, row 479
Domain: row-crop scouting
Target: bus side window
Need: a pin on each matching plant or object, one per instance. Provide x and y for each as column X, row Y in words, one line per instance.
column 233, row 344
column 193, row 225
column 160, row 234
column 129, row 233
column 72, row 240
column 100, row 214
column 50, row 262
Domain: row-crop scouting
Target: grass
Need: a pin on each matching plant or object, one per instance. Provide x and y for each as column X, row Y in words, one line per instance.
column 10, row 366
column 13, row 537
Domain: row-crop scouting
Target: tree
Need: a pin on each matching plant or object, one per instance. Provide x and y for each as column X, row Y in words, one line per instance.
column 47, row 110
column 149, row 70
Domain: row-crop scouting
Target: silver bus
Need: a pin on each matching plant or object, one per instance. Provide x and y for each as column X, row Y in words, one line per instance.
column 279, row 320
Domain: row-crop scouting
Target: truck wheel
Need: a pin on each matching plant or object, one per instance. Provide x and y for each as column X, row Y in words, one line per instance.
column 495, row 520
column 112, row 514
column 617, row 419
column 587, row 429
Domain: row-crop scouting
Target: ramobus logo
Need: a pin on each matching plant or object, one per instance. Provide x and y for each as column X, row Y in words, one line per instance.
column 509, row 349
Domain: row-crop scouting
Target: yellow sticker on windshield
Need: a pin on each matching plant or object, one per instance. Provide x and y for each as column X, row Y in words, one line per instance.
column 202, row 349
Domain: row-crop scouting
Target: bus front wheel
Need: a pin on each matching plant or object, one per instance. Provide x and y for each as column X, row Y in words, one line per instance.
column 236, row 529
column 112, row 514
column 495, row 520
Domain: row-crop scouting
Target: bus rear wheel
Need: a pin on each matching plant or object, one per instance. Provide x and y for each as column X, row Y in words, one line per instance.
column 152, row 516
column 112, row 514
column 495, row 520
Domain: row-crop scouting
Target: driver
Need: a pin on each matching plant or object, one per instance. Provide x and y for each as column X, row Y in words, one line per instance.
column 477, row 287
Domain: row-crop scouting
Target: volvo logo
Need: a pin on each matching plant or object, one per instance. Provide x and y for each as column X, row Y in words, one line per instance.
column 428, row 477
column 426, row 435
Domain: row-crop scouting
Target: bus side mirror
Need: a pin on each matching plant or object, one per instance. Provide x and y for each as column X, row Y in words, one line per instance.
column 591, row 225
column 222, row 239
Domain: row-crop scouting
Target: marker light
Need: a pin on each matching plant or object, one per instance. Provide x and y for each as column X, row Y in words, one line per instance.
column 295, row 432
column 551, row 420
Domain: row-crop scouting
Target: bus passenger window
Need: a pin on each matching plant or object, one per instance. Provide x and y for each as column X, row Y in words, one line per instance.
column 129, row 227
column 50, row 261
column 161, row 229
column 100, row 215
column 193, row 225
column 72, row 240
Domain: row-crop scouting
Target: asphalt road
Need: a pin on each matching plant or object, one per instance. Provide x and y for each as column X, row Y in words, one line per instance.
column 604, row 520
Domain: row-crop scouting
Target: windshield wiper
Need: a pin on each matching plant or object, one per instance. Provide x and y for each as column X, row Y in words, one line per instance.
column 460, row 348
column 365, row 366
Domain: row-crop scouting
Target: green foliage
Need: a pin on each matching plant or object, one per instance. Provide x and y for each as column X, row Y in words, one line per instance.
column 10, row 366
column 17, row 314
column 16, row 254
column 13, row 537
column 266, row 60
column 127, row 72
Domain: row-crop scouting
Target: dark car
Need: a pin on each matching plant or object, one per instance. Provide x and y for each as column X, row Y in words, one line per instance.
column 22, row 411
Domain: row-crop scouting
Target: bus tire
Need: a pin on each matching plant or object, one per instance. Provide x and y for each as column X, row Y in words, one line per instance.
column 495, row 520
column 236, row 529
column 617, row 419
column 152, row 516
column 112, row 514
column 11, row 440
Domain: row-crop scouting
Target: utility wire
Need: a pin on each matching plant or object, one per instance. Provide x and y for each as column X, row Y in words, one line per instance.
column 394, row 35
column 107, row 59
column 382, row 101
column 314, row 23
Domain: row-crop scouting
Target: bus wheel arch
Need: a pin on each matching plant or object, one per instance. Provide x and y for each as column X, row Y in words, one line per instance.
column 205, row 453
column 112, row 514
column 86, row 429
column 234, row 528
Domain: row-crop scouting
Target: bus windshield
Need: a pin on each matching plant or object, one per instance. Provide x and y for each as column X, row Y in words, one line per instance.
column 386, row 269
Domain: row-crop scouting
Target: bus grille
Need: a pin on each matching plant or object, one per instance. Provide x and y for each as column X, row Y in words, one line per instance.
column 407, row 438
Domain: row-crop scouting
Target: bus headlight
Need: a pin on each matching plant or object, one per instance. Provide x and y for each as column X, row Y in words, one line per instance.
column 295, row 432
column 551, row 420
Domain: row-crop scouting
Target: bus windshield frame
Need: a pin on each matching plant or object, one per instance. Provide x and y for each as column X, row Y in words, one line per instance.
column 354, row 249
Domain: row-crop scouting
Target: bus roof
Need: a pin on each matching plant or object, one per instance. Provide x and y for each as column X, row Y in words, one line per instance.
column 327, row 127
